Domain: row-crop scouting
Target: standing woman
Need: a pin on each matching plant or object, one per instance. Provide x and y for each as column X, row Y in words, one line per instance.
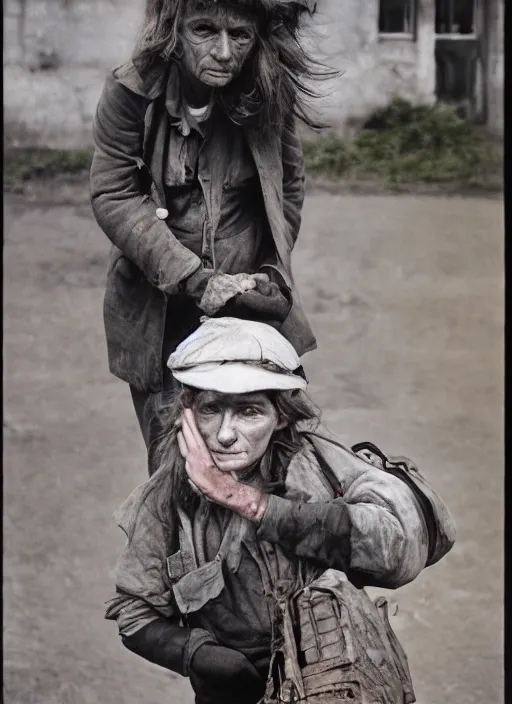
column 198, row 181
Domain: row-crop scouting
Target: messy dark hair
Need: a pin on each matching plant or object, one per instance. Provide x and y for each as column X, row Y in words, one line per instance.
column 275, row 81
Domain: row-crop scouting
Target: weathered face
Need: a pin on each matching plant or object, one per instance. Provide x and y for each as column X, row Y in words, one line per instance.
column 216, row 42
column 236, row 428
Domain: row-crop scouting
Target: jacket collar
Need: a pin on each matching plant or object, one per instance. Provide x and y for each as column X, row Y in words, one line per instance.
column 150, row 86
column 163, row 78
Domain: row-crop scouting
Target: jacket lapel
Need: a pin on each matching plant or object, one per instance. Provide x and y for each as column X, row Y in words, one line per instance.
column 266, row 150
column 149, row 87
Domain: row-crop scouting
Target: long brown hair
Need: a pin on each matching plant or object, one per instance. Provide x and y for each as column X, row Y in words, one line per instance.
column 276, row 80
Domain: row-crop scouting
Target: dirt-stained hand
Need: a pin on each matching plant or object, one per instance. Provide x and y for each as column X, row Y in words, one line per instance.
column 223, row 287
column 220, row 487
column 202, row 471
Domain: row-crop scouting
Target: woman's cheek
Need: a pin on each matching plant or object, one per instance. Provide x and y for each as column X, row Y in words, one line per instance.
column 261, row 432
column 206, row 427
column 243, row 56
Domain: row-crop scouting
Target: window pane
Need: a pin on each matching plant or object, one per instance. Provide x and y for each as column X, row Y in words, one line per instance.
column 396, row 16
column 455, row 16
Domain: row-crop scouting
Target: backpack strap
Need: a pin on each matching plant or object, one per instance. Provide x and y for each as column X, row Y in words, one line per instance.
column 329, row 475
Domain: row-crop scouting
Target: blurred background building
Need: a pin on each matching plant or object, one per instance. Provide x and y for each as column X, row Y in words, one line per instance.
column 57, row 52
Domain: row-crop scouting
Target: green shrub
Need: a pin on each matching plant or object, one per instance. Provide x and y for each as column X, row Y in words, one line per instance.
column 22, row 165
column 329, row 156
column 406, row 143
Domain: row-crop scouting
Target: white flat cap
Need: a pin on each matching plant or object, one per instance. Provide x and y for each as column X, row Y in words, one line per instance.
column 234, row 356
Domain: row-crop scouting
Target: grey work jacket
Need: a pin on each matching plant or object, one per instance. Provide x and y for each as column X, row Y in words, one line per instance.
column 148, row 263
column 376, row 531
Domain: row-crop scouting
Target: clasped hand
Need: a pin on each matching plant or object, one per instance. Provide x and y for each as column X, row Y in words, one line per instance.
column 221, row 288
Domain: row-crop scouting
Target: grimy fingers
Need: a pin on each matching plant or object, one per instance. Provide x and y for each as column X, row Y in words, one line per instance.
column 189, row 428
column 248, row 284
column 263, row 284
column 191, row 431
column 261, row 278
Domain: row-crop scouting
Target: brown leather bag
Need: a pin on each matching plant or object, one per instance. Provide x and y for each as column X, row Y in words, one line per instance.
column 334, row 644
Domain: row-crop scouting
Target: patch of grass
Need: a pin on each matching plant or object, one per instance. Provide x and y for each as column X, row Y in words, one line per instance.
column 404, row 143
column 27, row 164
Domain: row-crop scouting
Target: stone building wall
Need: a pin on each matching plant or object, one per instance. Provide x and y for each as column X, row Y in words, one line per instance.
column 496, row 67
column 57, row 53
column 373, row 68
column 56, row 56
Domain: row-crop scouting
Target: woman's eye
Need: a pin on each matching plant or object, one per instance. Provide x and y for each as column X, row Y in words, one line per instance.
column 203, row 29
column 208, row 410
column 250, row 412
column 241, row 35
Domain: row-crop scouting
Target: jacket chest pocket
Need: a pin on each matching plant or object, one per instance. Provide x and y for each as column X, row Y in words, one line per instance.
column 194, row 589
column 241, row 174
column 179, row 564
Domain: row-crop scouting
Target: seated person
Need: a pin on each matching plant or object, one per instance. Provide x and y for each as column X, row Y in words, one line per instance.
column 251, row 493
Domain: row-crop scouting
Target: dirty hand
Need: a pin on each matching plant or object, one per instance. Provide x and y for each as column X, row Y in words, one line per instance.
column 202, row 471
column 203, row 474
column 222, row 287
column 272, row 305
column 263, row 284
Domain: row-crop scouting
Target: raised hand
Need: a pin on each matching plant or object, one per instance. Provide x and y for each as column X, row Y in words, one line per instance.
column 203, row 474
column 202, row 471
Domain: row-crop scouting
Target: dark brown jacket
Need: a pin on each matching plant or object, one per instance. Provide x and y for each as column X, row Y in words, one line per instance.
column 148, row 263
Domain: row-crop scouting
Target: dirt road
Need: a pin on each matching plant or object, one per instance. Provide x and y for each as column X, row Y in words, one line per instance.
column 405, row 295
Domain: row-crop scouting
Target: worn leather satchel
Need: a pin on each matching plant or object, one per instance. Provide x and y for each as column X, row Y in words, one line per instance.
column 334, row 644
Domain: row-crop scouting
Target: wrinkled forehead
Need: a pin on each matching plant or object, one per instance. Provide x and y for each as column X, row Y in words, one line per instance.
column 225, row 12
column 259, row 398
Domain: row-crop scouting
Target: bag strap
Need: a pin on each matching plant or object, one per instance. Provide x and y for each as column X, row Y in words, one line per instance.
column 329, row 475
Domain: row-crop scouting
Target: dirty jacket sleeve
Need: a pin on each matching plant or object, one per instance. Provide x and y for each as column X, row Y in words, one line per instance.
column 376, row 530
column 293, row 198
column 293, row 178
column 123, row 211
column 143, row 606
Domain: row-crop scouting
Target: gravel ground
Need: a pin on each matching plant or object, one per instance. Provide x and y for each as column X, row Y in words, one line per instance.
column 406, row 297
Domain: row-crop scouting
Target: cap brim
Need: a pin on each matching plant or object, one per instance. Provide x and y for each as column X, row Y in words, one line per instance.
column 237, row 378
